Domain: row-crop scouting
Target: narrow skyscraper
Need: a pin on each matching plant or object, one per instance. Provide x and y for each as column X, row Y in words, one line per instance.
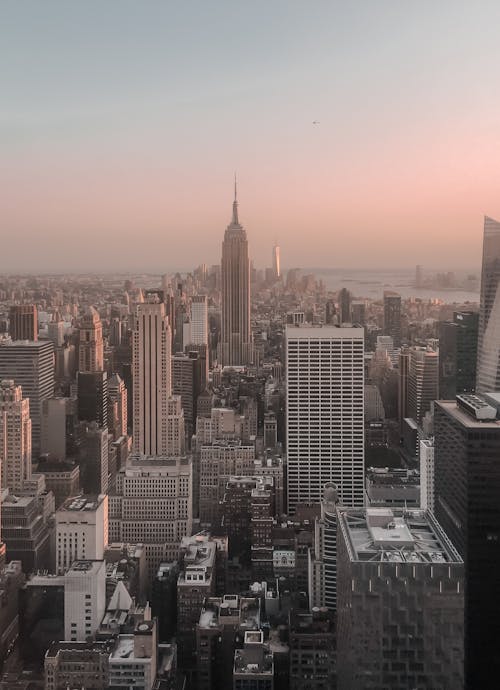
column 236, row 340
column 276, row 261
column 152, row 343
column 90, row 342
column 488, row 351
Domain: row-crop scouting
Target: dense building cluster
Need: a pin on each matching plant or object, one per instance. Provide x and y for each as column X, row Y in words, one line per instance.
column 242, row 479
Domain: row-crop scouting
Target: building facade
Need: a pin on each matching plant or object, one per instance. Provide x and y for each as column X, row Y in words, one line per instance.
column 488, row 348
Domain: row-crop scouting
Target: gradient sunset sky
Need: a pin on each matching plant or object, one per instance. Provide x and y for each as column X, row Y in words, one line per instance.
column 122, row 124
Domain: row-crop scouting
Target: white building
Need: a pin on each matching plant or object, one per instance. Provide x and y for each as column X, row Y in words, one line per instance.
column 427, row 474
column 198, row 331
column 15, row 436
column 152, row 505
column 133, row 662
column 81, row 530
column 325, row 416
column 84, row 599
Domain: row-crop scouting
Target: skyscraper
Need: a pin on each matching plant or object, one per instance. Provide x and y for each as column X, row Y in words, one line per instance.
column 400, row 602
column 392, row 316
column 15, row 436
column 488, row 352
column 325, row 419
column 345, row 306
column 466, row 503
column 31, row 365
column 23, row 322
column 199, row 321
column 236, row 338
column 152, row 377
column 458, row 354
column 422, row 381
column 276, row 261
column 90, row 342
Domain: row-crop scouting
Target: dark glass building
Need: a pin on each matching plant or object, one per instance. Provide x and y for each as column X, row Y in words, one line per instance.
column 467, row 505
column 93, row 397
column 392, row 316
column 458, row 354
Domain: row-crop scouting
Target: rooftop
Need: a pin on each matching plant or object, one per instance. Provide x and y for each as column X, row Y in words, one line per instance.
column 395, row 535
column 83, row 503
column 467, row 419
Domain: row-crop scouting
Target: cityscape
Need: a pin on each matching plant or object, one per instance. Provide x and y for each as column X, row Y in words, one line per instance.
column 261, row 453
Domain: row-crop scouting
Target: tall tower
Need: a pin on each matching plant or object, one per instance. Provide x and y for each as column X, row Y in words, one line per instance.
column 392, row 316
column 15, row 436
column 276, row 261
column 423, row 378
column 236, row 339
column 31, row 365
column 23, row 322
column 488, row 351
column 90, row 343
column 325, row 416
column 152, row 346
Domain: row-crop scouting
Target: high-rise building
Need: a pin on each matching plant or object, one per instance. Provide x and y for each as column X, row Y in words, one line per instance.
column 84, row 599
column 94, row 462
column 254, row 664
column 392, row 316
column 186, row 379
column 312, row 649
column 90, row 342
column 345, row 306
column 427, row 474
column 152, row 378
column 59, row 422
column 92, row 397
column 236, row 337
column 400, row 599
column 15, row 436
column 31, row 365
column 151, row 504
column 276, row 261
column 325, row 416
column 323, row 561
column 117, row 406
column 458, row 354
column 199, row 321
column 466, row 490
column 55, row 330
column 81, row 530
column 23, row 322
column 423, row 374
column 488, row 349
column 403, row 369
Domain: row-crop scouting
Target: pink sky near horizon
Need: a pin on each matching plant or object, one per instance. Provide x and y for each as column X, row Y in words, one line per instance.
column 138, row 173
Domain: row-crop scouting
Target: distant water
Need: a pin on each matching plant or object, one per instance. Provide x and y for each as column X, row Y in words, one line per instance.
column 371, row 285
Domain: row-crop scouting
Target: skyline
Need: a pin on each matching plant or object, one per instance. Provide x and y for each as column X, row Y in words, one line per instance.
column 130, row 124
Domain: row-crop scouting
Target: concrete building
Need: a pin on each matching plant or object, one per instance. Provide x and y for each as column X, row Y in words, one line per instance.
column 117, row 406
column 92, row 397
column 25, row 531
column 62, row 478
column 84, row 599
column 323, row 555
column 426, row 457
column 23, row 322
column 254, row 664
column 151, row 504
column 423, row 381
column 400, row 600
column 15, row 436
column 488, row 348
column 325, row 415
column 223, row 622
column 186, row 379
column 152, row 377
column 133, row 662
column 81, row 530
column 59, row 419
column 78, row 665
column 398, row 488
column 31, row 365
column 466, row 491
column 90, row 342
column 196, row 582
column 220, row 459
column 312, row 649
column 236, row 336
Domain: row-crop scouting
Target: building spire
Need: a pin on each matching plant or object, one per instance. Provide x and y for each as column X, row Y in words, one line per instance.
column 235, row 203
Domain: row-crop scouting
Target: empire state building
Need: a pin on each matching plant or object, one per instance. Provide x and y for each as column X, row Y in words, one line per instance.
column 236, row 338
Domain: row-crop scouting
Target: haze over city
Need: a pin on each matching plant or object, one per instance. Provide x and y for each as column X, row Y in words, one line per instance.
column 361, row 135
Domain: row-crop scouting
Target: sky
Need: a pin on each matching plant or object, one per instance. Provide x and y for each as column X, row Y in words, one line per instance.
column 122, row 124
